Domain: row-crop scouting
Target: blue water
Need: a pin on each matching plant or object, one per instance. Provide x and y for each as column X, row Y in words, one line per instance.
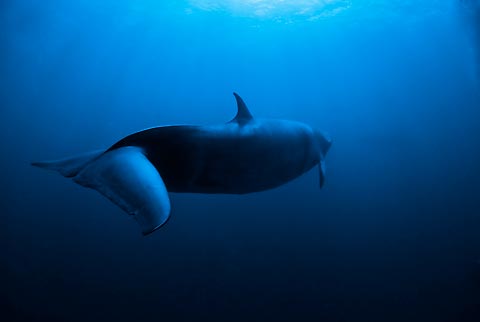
column 394, row 234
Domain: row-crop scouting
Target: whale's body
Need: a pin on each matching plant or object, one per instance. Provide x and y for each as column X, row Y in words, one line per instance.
column 231, row 158
column 242, row 156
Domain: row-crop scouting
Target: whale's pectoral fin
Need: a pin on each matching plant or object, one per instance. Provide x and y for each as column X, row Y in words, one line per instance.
column 126, row 177
column 322, row 170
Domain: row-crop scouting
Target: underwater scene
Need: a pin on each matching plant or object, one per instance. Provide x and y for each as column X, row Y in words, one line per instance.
column 340, row 183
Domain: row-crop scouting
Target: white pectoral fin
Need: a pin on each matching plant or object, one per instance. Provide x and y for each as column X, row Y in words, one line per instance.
column 129, row 179
column 322, row 170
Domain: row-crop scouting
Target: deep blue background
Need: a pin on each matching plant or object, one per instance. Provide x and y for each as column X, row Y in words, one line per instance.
column 393, row 236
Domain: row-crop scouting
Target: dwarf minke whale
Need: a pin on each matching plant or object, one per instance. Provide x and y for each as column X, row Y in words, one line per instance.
column 242, row 156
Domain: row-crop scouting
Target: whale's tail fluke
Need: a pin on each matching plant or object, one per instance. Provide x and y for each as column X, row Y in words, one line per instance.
column 126, row 177
column 69, row 167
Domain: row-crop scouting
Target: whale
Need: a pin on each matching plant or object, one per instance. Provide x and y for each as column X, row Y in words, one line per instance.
column 244, row 155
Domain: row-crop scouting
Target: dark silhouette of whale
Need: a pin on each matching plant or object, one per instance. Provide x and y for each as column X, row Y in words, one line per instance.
column 242, row 156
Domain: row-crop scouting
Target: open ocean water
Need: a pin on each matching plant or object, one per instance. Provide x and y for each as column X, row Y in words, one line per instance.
column 394, row 235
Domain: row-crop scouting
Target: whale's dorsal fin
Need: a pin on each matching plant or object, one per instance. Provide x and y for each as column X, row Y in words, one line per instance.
column 243, row 114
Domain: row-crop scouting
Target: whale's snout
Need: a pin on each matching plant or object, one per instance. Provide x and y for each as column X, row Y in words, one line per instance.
column 328, row 142
column 324, row 141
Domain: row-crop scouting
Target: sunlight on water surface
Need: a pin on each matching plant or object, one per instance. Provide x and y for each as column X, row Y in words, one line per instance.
column 280, row 9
